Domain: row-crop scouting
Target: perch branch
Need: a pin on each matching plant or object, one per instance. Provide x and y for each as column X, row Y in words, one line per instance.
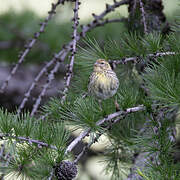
column 101, row 122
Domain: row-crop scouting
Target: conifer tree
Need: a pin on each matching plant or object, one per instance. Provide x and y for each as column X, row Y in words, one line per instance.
column 139, row 120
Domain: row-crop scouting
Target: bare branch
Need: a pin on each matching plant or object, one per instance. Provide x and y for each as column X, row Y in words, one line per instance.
column 77, row 140
column 52, row 62
column 55, row 69
column 106, row 21
column 70, row 70
column 50, row 78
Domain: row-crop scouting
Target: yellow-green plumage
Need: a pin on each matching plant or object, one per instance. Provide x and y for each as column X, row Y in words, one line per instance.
column 103, row 81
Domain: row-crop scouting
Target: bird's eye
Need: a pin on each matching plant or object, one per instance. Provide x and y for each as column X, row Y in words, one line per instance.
column 101, row 63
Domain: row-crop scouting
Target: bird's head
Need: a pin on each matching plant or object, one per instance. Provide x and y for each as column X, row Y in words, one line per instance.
column 101, row 65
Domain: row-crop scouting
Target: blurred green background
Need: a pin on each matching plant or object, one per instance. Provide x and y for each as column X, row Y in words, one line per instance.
column 19, row 20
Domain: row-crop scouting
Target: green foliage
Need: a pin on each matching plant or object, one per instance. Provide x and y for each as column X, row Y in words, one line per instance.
column 173, row 42
column 20, row 28
column 128, row 95
column 157, row 142
column 6, row 122
column 125, row 46
column 28, row 156
column 21, row 163
column 117, row 158
column 163, row 80
column 83, row 112
column 152, row 42
column 92, row 50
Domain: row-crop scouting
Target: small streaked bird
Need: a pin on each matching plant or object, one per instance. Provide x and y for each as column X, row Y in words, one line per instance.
column 103, row 82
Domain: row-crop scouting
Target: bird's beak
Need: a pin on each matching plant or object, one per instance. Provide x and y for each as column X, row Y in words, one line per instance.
column 95, row 64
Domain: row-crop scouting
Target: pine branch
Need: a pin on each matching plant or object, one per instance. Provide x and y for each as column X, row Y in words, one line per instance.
column 29, row 140
column 30, row 44
column 113, row 62
column 101, row 122
column 136, row 59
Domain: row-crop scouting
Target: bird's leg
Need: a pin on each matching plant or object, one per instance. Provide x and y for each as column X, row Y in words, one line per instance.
column 116, row 105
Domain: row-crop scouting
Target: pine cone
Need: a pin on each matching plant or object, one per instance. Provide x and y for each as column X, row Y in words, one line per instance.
column 65, row 170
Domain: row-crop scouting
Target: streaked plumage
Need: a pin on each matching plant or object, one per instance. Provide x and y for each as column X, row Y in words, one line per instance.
column 103, row 81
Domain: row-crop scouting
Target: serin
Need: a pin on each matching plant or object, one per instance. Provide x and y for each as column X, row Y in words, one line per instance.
column 103, row 82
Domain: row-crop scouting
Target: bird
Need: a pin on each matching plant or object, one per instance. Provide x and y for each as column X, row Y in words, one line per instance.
column 103, row 82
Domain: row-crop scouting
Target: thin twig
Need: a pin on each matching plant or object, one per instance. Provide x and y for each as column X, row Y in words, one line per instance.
column 143, row 16
column 30, row 44
column 146, row 157
column 118, row 116
column 106, row 21
column 101, row 122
